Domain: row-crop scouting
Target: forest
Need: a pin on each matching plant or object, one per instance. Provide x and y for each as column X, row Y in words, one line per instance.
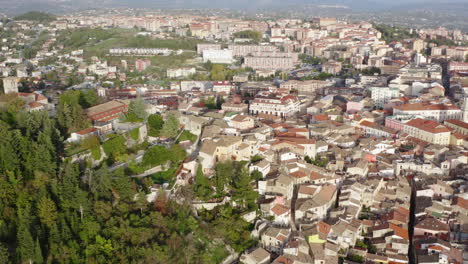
column 56, row 211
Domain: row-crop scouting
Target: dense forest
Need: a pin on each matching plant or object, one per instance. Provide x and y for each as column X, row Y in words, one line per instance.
column 56, row 211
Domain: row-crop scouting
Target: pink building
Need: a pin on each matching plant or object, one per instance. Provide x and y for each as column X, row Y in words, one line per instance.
column 394, row 123
column 142, row 64
column 353, row 107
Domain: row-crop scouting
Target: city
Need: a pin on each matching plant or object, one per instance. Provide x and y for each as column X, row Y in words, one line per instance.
column 187, row 136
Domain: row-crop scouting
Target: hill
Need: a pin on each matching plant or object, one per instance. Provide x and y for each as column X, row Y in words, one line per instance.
column 36, row 16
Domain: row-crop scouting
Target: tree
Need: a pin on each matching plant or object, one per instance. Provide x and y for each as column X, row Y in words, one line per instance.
column 170, row 127
column 47, row 211
column 256, row 175
column 155, row 124
column 137, row 110
column 26, row 246
column 4, row 255
column 70, row 114
column 89, row 98
column 38, row 253
column 202, row 186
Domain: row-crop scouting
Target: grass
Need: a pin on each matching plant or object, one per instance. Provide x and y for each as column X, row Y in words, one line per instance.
column 135, row 133
column 74, row 149
column 96, row 153
column 186, row 135
column 167, row 176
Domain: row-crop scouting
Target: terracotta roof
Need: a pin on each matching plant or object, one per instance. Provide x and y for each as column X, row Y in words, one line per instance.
column 425, row 107
column 279, row 209
column 458, row 123
column 298, row 174
column 430, row 126
column 35, row 105
column 399, row 231
column 315, row 176
column 323, row 227
column 307, row 189
column 86, row 131
column 463, row 203
column 433, row 224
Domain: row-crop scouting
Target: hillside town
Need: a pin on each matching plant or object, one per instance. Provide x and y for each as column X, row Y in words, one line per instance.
column 330, row 141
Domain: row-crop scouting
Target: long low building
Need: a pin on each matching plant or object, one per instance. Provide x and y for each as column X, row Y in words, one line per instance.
column 266, row 63
column 437, row 112
column 107, row 111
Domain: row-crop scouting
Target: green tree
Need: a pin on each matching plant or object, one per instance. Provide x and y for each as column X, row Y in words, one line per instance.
column 202, row 186
column 47, row 211
column 4, row 254
column 155, row 124
column 89, row 98
column 137, row 110
column 70, row 114
column 38, row 258
column 26, row 246
column 170, row 128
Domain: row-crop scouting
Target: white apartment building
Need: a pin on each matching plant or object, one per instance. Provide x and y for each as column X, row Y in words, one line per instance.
column 269, row 63
column 383, row 95
column 437, row 112
column 180, row 72
column 218, row 56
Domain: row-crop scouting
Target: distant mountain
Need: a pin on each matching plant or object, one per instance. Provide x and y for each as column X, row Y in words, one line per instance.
column 355, row 5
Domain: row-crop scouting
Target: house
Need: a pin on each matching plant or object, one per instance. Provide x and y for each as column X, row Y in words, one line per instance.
column 262, row 166
column 274, row 238
column 82, row 134
column 318, row 206
column 359, row 168
column 258, row 256
column 242, row 122
column 430, row 226
column 218, row 149
column 300, row 146
column 281, row 214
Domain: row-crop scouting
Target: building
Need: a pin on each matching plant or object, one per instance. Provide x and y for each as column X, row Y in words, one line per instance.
column 235, row 107
column 222, row 87
column 437, row 112
column 383, row 95
column 457, row 66
column 244, row 50
column 10, row 85
column 142, row 64
column 308, row 87
column 267, row 62
column 418, row 45
column 428, row 130
column 458, row 125
column 181, row 72
column 218, row 56
column 275, row 104
column 242, row 122
column 206, row 46
column 332, row 67
column 107, row 111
